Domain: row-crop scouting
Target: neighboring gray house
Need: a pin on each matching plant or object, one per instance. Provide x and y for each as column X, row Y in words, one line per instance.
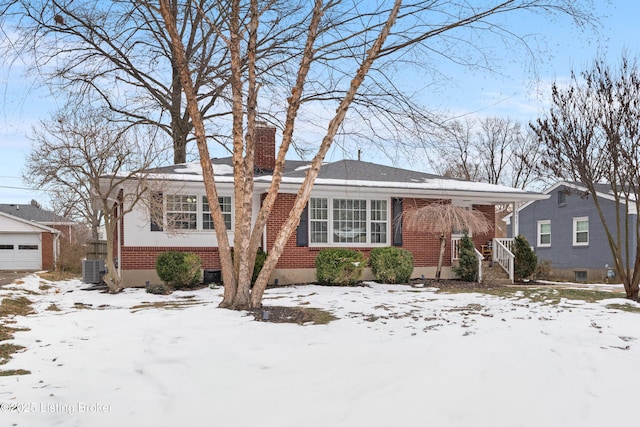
column 566, row 230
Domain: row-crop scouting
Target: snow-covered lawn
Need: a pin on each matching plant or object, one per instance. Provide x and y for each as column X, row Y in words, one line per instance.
column 397, row 356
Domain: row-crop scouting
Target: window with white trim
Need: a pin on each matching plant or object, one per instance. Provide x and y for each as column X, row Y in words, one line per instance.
column 581, row 231
column 350, row 222
column 544, row 233
column 182, row 212
column 225, row 206
column 318, row 220
column 379, row 221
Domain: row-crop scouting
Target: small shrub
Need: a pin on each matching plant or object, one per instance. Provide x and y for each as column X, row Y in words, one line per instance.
column 158, row 289
column 339, row 266
column 391, row 265
column 467, row 269
column 525, row 258
column 543, row 270
column 179, row 269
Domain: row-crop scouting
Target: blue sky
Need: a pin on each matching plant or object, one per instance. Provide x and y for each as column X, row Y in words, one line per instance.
column 510, row 93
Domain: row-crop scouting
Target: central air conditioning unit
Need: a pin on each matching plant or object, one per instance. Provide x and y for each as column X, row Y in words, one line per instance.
column 92, row 270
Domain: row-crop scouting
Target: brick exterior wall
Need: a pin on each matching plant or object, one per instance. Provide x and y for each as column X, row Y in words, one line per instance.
column 47, row 251
column 265, row 153
column 425, row 246
column 144, row 257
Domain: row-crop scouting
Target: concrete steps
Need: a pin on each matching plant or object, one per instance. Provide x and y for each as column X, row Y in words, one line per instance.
column 494, row 274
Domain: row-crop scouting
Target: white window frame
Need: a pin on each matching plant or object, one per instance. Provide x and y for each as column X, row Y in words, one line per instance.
column 575, row 232
column 330, row 220
column 199, row 212
column 319, row 215
column 227, row 214
column 180, row 215
column 540, row 233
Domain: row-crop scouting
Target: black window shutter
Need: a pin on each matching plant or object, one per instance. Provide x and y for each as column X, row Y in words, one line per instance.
column 396, row 214
column 156, row 212
column 302, row 233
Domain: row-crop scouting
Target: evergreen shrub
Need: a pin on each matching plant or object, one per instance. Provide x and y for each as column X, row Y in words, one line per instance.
column 525, row 259
column 391, row 265
column 467, row 268
column 179, row 269
column 339, row 266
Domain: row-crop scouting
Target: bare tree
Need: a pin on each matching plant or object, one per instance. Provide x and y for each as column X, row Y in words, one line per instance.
column 97, row 163
column 592, row 135
column 342, row 43
column 493, row 149
column 117, row 52
column 457, row 156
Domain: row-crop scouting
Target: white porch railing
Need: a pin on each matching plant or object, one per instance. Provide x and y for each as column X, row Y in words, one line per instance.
column 503, row 256
column 455, row 248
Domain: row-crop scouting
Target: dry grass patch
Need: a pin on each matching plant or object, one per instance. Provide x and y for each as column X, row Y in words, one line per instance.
column 55, row 276
column 625, row 307
column 11, row 372
column 20, row 306
column 170, row 305
column 298, row 315
column 6, row 350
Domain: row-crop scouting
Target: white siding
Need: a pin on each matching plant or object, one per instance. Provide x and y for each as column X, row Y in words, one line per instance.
column 20, row 251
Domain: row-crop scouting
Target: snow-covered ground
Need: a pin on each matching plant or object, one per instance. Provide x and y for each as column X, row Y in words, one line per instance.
column 397, row 356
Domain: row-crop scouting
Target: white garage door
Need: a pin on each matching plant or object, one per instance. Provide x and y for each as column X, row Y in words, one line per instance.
column 20, row 252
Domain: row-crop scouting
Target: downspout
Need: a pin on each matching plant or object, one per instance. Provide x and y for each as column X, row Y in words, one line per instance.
column 515, row 227
column 56, row 249
column 120, row 247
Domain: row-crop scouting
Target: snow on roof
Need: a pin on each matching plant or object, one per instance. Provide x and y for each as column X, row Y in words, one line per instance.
column 346, row 173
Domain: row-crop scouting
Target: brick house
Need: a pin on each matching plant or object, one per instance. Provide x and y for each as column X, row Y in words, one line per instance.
column 30, row 237
column 353, row 204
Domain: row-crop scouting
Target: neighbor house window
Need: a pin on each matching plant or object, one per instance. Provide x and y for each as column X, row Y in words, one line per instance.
column 562, row 198
column 348, row 221
column 318, row 220
column 5, row 247
column 207, row 219
column 581, row 231
column 580, row 276
column 182, row 212
column 544, row 233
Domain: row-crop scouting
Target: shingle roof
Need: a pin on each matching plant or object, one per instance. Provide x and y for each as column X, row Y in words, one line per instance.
column 353, row 173
column 33, row 213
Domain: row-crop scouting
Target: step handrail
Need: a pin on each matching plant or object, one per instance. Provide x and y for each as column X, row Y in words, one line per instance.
column 503, row 256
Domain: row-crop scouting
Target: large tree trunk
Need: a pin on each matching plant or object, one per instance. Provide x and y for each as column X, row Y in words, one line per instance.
column 179, row 126
column 111, row 277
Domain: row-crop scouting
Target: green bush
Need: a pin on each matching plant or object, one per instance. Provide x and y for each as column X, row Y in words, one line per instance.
column 391, row 265
column 468, row 262
column 179, row 269
column 525, row 259
column 339, row 266
column 158, row 289
column 261, row 257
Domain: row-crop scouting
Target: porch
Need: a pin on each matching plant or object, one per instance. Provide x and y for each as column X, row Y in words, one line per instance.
column 497, row 250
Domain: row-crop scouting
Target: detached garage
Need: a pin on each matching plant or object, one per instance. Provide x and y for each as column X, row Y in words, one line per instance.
column 26, row 245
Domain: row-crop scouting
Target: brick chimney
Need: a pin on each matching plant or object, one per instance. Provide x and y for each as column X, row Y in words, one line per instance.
column 265, row 154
